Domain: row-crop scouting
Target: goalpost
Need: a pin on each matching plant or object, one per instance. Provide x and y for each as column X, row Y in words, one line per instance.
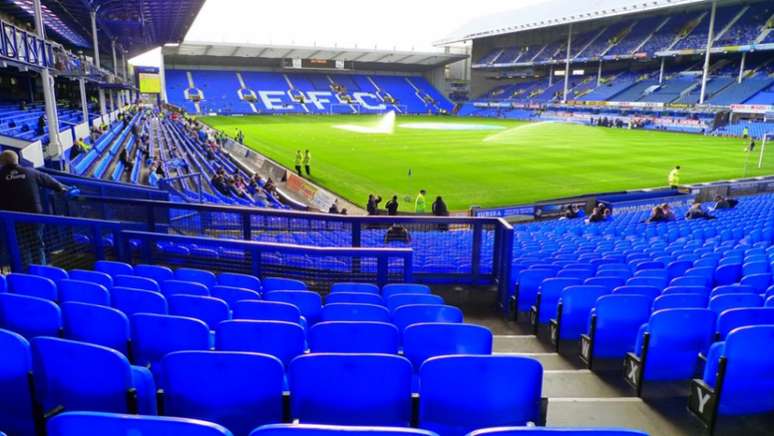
column 764, row 142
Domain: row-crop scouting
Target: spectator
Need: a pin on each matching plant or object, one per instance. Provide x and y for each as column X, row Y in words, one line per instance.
column 299, row 160
column 392, row 206
column 334, row 209
column 571, row 212
column 656, row 215
column 373, row 204
column 270, row 187
column 344, row 211
column 724, row 203
column 124, row 158
column 669, row 215
column 397, row 233
column 420, row 204
column 41, row 125
column 439, row 207
column 696, row 212
column 597, row 215
column 219, row 183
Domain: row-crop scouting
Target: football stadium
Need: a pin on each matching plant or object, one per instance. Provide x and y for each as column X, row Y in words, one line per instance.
column 439, row 218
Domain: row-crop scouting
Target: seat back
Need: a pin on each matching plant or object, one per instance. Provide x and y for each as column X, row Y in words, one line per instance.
column 689, row 281
column 744, row 316
column 608, row 282
column 649, row 291
column 136, row 282
column 749, row 377
column 29, row 316
column 154, row 336
column 334, row 430
column 404, row 316
column 354, row 287
column 425, row 340
column 355, row 312
column 675, row 301
column 184, row 287
column 282, row 284
column 206, row 278
column 728, row 274
column 351, row 389
column 80, row 376
column 231, row 294
column 50, row 272
column 463, row 393
column 237, row 280
column 529, row 283
column 721, row 303
column 759, row 281
column 397, row 300
column 685, row 289
column 618, row 319
column 354, row 337
column 577, row 302
column 657, row 282
column 83, row 292
column 404, row 288
column 267, row 311
column 157, row 273
column 131, row 301
column 113, row 268
column 732, row 289
column 283, row 340
column 355, row 297
column 550, row 291
column 98, row 277
column 208, row 309
column 79, row 423
column 16, row 410
column 33, row 286
column 309, row 303
column 677, row 336
column 556, row 431
column 95, row 324
column 240, row 391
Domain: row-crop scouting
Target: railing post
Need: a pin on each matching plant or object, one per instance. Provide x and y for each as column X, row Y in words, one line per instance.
column 381, row 270
column 99, row 248
column 14, row 255
column 356, row 234
column 256, row 260
column 505, row 278
column 150, row 215
column 475, row 257
column 121, row 247
column 408, row 267
column 497, row 249
column 247, row 228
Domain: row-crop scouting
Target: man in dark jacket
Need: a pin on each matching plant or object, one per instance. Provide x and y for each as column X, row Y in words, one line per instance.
column 21, row 193
column 373, row 204
column 392, row 206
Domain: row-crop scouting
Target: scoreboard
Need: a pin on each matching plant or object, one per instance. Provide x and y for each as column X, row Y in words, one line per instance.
column 317, row 64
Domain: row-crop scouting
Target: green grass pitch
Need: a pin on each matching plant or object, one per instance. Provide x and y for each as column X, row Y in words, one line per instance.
column 518, row 163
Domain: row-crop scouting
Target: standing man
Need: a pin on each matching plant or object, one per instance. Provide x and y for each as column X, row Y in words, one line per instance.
column 308, row 163
column 299, row 159
column 745, row 132
column 21, row 193
column 392, row 206
column 372, row 207
column 420, row 204
column 674, row 177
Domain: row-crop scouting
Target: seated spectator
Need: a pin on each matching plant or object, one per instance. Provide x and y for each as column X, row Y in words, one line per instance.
column 219, row 184
column 669, row 215
column 722, row 202
column 124, row 159
column 656, row 215
column 696, row 212
column 571, row 212
column 597, row 215
column 397, row 233
column 270, row 187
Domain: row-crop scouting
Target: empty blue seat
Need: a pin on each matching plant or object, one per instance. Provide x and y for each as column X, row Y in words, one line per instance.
column 83, row 292
column 283, row 340
column 660, row 273
column 755, row 267
column 156, row 272
column 615, row 321
column 573, row 311
column 334, row 430
column 741, row 317
column 98, row 277
column 351, row 389
column 50, row 272
column 769, row 302
column 397, row 300
column 558, row 431
column 425, row 340
column 354, row 337
column 548, row 298
column 684, row 289
column 581, row 274
column 136, row 282
column 237, row 280
column 356, row 297
column 689, row 281
column 237, row 390
column 175, row 287
column 705, row 272
column 96, row 325
column 404, row 288
column 720, row 303
column 609, row 282
column 131, row 301
column 670, row 342
column 728, row 274
column 309, row 303
column 267, row 311
column 529, row 284
column 355, row 312
column 354, row 287
column 732, row 289
column 675, row 301
column 16, row 409
column 208, row 309
column 759, row 282
column 231, row 294
column 462, row 393
column 649, row 291
column 113, row 268
column 116, row 424
column 29, row 316
column 657, row 282
column 80, row 376
column 3, row 284
column 404, row 316
column 678, row 268
column 282, row 284
column 33, row 286
column 206, row 278
column 154, row 336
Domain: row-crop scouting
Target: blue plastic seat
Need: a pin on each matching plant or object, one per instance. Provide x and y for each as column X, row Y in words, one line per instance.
column 705, row 272
column 680, row 289
column 404, row 288
column 676, row 301
column 283, row 340
column 720, row 303
column 237, row 280
column 558, row 431
column 208, row 309
column 354, row 337
column 354, row 287
column 462, row 393
column 678, row 268
column 83, row 292
column 282, row 284
column 575, row 273
column 33, row 286
column 573, row 311
column 3, row 284
column 29, row 316
column 689, row 281
column 731, row 319
column 240, row 391
column 404, row 316
column 115, row 424
column 356, row 297
column 178, row 287
column 96, row 325
column 267, row 311
column 732, row 289
column 351, row 389
column 425, row 340
column 156, row 272
column 50, row 272
column 154, row 336
column 355, row 312
column 769, row 302
column 206, row 278
column 621, row 273
column 309, row 303
column 231, row 294
column 649, row 291
column 755, row 267
column 529, row 284
column 609, row 282
column 660, row 273
column 728, row 274
column 113, row 268
column 131, row 301
column 16, row 409
column 760, row 282
column 615, row 321
column 397, row 300
column 136, row 282
column 548, row 297
column 98, row 277
column 334, row 430
column 657, row 282
column 80, row 376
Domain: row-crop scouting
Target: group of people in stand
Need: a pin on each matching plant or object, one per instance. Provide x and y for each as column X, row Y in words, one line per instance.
column 439, row 207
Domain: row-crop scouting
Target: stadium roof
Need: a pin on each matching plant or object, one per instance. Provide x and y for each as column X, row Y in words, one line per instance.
column 555, row 12
column 137, row 25
column 278, row 52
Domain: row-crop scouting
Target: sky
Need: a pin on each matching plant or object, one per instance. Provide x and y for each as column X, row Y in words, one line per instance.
column 386, row 25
